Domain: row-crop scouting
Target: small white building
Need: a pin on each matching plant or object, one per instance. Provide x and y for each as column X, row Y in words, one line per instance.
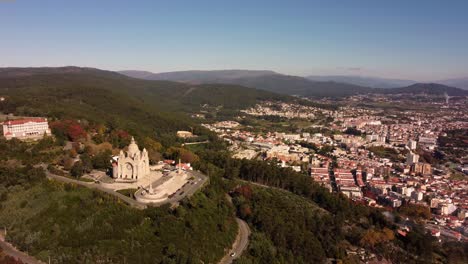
column 417, row 195
column 412, row 144
column 412, row 158
column 26, row 128
column 184, row 134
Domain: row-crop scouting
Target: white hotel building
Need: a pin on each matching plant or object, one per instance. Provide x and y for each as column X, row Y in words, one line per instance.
column 26, row 128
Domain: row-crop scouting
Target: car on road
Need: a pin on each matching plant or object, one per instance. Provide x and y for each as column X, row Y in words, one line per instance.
column 233, row 254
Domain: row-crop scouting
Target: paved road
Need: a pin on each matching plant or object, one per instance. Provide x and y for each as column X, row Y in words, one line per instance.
column 240, row 244
column 196, row 143
column 9, row 250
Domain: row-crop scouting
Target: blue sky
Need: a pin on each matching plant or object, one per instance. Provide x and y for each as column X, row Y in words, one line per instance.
column 415, row 39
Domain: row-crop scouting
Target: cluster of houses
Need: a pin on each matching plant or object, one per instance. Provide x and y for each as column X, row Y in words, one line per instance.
column 286, row 110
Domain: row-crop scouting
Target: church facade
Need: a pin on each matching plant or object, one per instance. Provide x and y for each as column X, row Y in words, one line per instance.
column 131, row 166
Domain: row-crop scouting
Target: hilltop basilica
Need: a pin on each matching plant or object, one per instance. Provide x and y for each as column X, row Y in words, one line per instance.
column 133, row 165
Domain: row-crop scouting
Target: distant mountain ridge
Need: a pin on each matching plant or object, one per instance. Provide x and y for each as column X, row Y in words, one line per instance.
column 29, row 71
column 373, row 82
column 198, row 76
column 293, row 85
column 456, row 82
column 428, row 88
column 259, row 79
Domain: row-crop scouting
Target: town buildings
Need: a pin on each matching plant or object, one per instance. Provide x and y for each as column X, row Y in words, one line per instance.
column 389, row 162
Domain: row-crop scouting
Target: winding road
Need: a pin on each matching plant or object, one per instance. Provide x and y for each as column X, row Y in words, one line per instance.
column 240, row 244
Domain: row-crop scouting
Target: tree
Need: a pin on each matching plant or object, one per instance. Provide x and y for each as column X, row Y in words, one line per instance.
column 414, row 210
column 185, row 155
column 374, row 237
column 73, row 153
column 68, row 129
column 77, row 169
column 154, row 148
column 86, row 162
column 67, row 163
column 119, row 138
column 102, row 159
column 352, row 131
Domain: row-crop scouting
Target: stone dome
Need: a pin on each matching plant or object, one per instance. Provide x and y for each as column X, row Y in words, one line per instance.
column 133, row 148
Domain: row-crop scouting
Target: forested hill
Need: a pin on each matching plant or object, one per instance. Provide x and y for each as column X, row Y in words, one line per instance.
column 170, row 94
column 104, row 96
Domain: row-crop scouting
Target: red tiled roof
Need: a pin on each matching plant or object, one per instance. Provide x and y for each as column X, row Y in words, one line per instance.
column 25, row 120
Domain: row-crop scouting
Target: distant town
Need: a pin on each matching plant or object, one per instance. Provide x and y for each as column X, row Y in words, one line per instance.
column 372, row 155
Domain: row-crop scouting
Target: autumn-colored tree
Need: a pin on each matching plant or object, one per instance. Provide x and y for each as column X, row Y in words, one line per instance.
column 76, row 132
column 119, row 138
column 185, row 155
column 374, row 237
column 414, row 210
column 73, row 153
column 188, row 156
column 151, row 144
column 90, row 149
column 104, row 146
column 100, row 129
column 244, row 190
column 68, row 129
column 67, row 163
column 154, row 149
column 77, row 147
column 245, row 211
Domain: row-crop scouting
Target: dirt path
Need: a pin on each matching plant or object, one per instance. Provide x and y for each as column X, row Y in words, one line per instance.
column 9, row 250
